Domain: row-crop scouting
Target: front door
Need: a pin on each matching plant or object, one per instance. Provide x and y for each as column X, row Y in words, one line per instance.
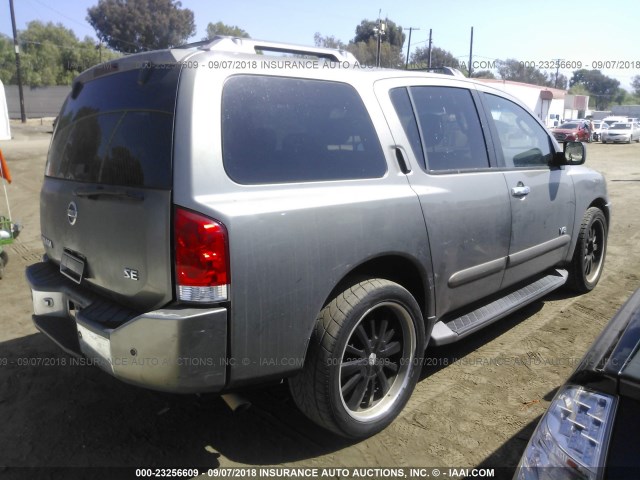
column 541, row 196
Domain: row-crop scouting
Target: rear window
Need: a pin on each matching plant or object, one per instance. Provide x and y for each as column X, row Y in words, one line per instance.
column 279, row 130
column 117, row 130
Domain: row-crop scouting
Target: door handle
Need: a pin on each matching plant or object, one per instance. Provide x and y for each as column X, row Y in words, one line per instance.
column 520, row 191
column 402, row 163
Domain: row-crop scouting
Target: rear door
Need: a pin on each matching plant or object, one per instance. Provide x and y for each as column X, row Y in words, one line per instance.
column 464, row 199
column 106, row 197
column 541, row 196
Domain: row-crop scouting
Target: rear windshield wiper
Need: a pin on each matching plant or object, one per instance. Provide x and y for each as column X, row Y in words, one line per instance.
column 96, row 192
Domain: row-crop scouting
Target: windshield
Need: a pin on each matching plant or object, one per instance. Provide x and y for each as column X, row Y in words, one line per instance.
column 569, row 126
column 621, row 126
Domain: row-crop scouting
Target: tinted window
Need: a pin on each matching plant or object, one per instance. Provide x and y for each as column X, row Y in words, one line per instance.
column 402, row 104
column 523, row 141
column 117, row 130
column 277, row 130
column 450, row 128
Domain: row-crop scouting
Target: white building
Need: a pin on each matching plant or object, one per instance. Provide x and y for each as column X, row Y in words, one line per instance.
column 5, row 129
column 547, row 103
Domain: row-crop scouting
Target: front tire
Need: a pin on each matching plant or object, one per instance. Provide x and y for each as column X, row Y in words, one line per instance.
column 588, row 259
column 363, row 359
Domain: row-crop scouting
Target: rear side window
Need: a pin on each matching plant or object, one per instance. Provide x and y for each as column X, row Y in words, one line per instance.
column 402, row 104
column 117, row 130
column 450, row 128
column 279, row 130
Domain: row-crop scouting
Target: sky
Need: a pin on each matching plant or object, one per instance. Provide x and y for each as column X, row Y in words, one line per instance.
column 582, row 32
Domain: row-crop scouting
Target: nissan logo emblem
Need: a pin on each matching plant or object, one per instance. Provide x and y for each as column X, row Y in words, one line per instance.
column 72, row 213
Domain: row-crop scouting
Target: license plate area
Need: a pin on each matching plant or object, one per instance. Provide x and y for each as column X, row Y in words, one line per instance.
column 72, row 266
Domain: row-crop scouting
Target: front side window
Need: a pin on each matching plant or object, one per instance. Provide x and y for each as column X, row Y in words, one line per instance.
column 280, row 130
column 524, row 142
column 450, row 128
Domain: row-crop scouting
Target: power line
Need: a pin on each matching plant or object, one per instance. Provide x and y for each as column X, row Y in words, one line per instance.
column 85, row 25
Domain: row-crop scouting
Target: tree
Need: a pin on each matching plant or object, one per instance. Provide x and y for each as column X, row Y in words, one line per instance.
column 578, row 89
column 516, row 71
column 603, row 88
column 328, row 41
column 635, row 84
column 368, row 29
column 483, row 74
column 132, row 26
column 220, row 28
column 439, row 58
column 364, row 45
column 7, row 59
column 561, row 83
column 366, row 53
column 50, row 55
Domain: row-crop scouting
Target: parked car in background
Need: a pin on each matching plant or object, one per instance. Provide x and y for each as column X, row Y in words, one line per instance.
column 592, row 427
column 571, row 132
column 598, row 127
column 622, row 133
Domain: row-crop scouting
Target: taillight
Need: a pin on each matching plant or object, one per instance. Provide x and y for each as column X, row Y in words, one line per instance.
column 202, row 262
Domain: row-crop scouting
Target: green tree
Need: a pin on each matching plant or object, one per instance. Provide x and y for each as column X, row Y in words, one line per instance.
column 51, row 54
column 366, row 53
column 483, row 74
column 368, row 30
column 220, row 28
column 562, row 81
column 578, row 89
column 439, row 58
column 635, row 84
column 132, row 26
column 328, row 41
column 516, row 71
column 7, row 60
column 364, row 46
column 604, row 89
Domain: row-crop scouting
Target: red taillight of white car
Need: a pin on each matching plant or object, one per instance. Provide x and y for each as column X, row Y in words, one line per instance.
column 201, row 255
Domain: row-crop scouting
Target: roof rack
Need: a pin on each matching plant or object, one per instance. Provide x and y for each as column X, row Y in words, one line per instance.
column 250, row 46
column 443, row 70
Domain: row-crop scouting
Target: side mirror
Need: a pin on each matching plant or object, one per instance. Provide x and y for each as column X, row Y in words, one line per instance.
column 574, row 153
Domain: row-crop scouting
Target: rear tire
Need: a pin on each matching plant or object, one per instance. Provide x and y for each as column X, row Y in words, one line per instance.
column 363, row 359
column 588, row 258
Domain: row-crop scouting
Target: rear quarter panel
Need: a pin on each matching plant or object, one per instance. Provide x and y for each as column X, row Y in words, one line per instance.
column 290, row 244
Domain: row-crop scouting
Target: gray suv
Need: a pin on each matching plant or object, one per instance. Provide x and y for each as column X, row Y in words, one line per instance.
column 216, row 217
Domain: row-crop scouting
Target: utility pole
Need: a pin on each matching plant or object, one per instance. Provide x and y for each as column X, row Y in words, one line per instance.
column 406, row 66
column 471, row 53
column 557, row 60
column 430, row 32
column 23, row 115
column 380, row 30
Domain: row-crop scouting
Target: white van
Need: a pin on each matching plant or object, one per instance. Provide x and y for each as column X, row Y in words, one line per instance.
column 613, row 119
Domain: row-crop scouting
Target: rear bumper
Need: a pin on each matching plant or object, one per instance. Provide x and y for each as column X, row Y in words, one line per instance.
column 174, row 349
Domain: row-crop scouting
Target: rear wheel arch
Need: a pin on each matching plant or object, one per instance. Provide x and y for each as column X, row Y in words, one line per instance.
column 398, row 269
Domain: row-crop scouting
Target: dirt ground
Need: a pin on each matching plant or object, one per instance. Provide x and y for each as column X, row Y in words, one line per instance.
column 476, row 404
